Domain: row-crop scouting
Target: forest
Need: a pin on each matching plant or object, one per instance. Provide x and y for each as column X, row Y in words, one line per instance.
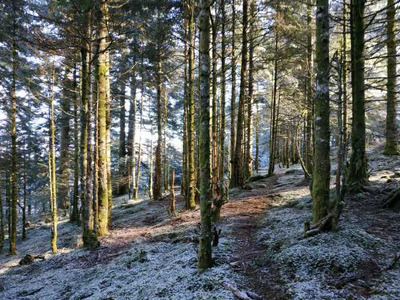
column 199, row 149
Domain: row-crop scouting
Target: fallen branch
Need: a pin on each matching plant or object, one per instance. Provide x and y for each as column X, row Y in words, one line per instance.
column 244, row 295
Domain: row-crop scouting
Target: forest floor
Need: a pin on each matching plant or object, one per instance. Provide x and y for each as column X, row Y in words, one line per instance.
column 149, row 255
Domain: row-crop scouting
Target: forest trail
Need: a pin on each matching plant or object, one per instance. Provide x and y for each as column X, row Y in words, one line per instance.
column 149, row 255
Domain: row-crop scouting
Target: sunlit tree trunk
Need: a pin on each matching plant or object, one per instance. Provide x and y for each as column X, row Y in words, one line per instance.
column 52, row 168
column 321, row 174
column 190, row 201
column 132, row 132
column 103, row 99
column 157, row 187
column 63, row 186
column 204, row 253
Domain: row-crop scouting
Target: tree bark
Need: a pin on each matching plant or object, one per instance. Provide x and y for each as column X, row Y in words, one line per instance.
column 103, row 98
column 321, row 173
column 238, row 176
column 391, row 145
column 357, row 172
column 204, row 253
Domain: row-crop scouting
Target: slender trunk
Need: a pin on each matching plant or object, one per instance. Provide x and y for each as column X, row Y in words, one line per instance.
column 103, row 99
column 310, row 94
column 185, row 173
column 139, row 159
column 2, row 225
column 257, row 158
column 132, row 133
column 357, row 173
column 272, row 139
column 233, row 94
column 75, row 201
column 63, row 186
column 157, row 188
column 204, row 253
column 122, row 183
column 223, row 191
column 238, row 177
column 24, row 204
column 190, row 202
column 249, row 144
column 391, row 145
column 52, row 169
column 14, row 170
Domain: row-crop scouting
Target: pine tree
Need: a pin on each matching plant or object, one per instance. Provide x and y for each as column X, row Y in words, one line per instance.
column 204, row 253
column 357, row 171
column 321, row 173
column 391, row 145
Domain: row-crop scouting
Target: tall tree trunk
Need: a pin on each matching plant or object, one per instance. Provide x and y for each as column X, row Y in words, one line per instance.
column 89, row 237
column 214, row 119
column 273, row 122
column 233, row 94
column 391, row 145
column 2, row 225
column 204, row 253
column 257, row 158
column 249, row 144
column 223, row 190
column 122, row 183
column 310, row 94
column 139, row 159
column 357, row 172
column 103, row 99
column 185, row 172
column 132, row 132
column 321, row 174
column 157, row 187
column 63, row 186
column 238, row 176
column 14, row 170
column 190, row 201
column 52, row 168
column 75, row 200
column 24, row 202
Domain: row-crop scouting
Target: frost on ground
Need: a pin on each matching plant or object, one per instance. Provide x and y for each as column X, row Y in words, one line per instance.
column 144, row 257
column 149, row 255
column 357, row 262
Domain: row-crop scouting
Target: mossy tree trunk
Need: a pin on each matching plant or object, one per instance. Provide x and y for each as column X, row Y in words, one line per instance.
column 103, row 98
column 191, row 182
column 132, row 131
column 204, row 253
column 357, row 172
column 321, row 173
column 233, row 94
column 391, row 145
